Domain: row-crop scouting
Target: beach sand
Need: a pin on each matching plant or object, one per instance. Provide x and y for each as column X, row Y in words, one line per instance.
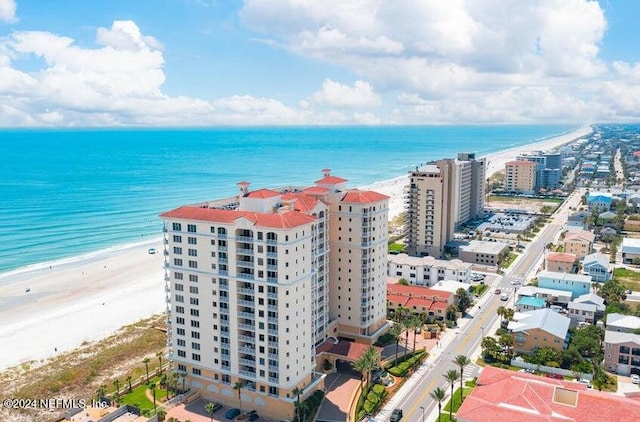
column 89, row 297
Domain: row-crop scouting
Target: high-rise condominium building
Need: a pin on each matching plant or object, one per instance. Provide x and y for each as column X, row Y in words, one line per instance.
column 520, row 176
column 441, row 196
column 549, row 170
column 256, row 281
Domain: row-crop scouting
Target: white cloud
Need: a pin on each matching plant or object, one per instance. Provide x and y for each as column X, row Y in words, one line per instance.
column 334, row 94
column 8, row 11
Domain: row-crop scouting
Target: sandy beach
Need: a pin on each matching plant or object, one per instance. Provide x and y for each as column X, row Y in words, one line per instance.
column 47, row 309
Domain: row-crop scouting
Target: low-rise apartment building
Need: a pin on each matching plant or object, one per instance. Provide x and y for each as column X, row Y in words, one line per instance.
column 427, row 270
column 539, row 328
column 577, row 284
column 579, row 243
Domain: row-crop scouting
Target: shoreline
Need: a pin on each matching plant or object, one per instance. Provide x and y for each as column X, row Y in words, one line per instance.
column 88, row 297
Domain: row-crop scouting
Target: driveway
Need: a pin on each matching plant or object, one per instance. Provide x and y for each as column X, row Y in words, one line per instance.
column 339, row 389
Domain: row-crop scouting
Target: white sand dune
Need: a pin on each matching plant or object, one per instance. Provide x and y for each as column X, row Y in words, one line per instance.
column 90, row 297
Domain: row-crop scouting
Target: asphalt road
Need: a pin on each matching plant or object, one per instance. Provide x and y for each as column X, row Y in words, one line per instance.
column 418, row 402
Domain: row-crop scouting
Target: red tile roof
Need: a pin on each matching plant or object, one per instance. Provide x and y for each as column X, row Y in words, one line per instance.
column 281, row 221
column 561, row 257
column 330, row 180
column 505, row 395
column 417, row 291
column 263, row 193
column 356, row 196
column 303, row 203
column 418, row 303
column 316, row 190
column 347, row 349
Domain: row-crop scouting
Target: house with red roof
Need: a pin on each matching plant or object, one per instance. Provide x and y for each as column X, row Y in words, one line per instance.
column 504, row 395
column 561, row 262
column 419, row 300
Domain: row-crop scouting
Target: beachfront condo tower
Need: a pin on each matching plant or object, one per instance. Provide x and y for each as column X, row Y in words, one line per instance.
column 257, row 281
column 520, row 176
column 442, row 196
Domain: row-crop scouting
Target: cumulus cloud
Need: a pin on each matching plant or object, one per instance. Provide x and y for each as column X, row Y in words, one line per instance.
column 8, row 11
column 460, row 61
column 334, row 94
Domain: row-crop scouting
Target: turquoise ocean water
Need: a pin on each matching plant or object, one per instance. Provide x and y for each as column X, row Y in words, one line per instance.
column 69, row 192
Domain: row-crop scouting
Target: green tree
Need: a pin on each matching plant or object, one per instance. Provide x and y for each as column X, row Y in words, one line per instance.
column 451, row 376
column 161, row 414
column 129, row 383
column 451, row 312
column 501, row 311
column 506, row 342
column 396, row 331
column 116, row 383
column 362, row 366
column 489, row 347
column 239, row 386
column 461, row 361
column 462, row 300
column 296, row 392
column 146, row 367
column 152, row 387
column 438, row 395
column 159, row 356
column 100, row 393
column 403, row 282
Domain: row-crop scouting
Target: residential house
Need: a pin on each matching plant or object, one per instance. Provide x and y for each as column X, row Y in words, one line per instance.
column 600, row 201
column 577, row 284
column 539, row 328
column 419, row 300
column 582, row 313
column 596, row 265
column 427, row 270
column 630, row 249
column 579, row 242
column 622, row 352
column 530, row 303
column 504, row 395
column 550, row 296
column 593, row 299
column 578, row 219
column 608, row 231
column 622, row 323
column 607, row 216
column 483, row 252
column 561, row 262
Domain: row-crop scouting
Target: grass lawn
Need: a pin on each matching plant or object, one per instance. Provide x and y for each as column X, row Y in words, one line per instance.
column 396, row 248
column 138, row 397
column 479, row 289
column 628, row 278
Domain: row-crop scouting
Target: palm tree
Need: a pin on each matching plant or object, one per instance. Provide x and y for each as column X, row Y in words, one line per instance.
column 152, row 387
column 100, row 393
column 116, row 383
column 161, row 414
column 159, row 355
column 396, row 331
column 129, row 382
column 373, row 360
column 362, row 366
column 414, row 322
column 461, row 361
column 501, row 312
column 238, row 386
column 296, row 392
column 438, row 395
column 210, row 408
column 451, row 376
column 146, row 366
column 489, row 346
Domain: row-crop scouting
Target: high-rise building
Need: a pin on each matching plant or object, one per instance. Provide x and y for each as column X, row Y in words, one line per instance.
column 441, row 196
column 470, row 191
column 255, row 282
column 520, row 176
column 549, row 170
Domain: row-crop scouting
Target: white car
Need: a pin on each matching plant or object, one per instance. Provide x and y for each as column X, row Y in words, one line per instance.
column 635, row 378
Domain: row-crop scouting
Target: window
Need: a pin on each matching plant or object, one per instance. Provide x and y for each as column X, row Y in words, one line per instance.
column 195, row 357
column 181, row 342
column 195, row 334
column 193, row 252
column 193, row 264
column 191, row 228
column 194, row 301
column 177, row 227
column 177, row 276
column 195, row 346
column 179, row 298
column 195, row 312
column 180, row 320
column 196, row 371
column 177, row 262
column 179, row 287
column 193, row 289
column 182, row 353
column 192, row 241
column 180, row 309
column 195, row 324
column 177, row 239
column 194, row 278
column 177, row 250
column 180, row 331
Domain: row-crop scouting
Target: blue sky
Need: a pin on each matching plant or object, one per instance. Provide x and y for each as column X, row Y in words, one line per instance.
column 109, row 63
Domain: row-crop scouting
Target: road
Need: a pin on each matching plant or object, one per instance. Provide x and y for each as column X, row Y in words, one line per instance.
column 418, row 404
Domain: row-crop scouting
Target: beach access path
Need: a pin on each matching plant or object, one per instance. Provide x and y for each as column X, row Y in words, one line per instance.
column 90, row 297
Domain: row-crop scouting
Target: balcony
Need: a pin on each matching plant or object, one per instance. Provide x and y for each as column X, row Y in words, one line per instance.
column 222, row 248
column 272, row 280
column 247, row 339
column 249, row 303
column 245, row 276
column 273, row 332
column 243, row 251
column 247, row 239
column 247, row 315
column 247, row 374
column 247, row 327
column 246, row 291
column 247, row 362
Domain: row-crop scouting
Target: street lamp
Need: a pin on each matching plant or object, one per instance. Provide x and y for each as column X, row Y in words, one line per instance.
column 422, row 408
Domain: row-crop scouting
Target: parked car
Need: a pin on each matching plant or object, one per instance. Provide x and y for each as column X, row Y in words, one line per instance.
column 635, row 378
column 555, row 376
column 504, row 297
column 232, row 413
column 151, row 251
column 498, row 291
column 396, row 415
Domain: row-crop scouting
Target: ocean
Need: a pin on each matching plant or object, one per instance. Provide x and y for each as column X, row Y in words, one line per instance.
column 71, row 192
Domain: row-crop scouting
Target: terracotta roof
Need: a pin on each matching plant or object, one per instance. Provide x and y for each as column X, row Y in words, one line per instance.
column 281, row 221
column 356, row 196
column 262, row 193
column 439, row 305
column 419, row 303
column 561, row 257
column 303, row 203
column 347, row 349
column 400, row 299
column 330, row 180
column 505, row 395
column 416, row 291
column 316, row 190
